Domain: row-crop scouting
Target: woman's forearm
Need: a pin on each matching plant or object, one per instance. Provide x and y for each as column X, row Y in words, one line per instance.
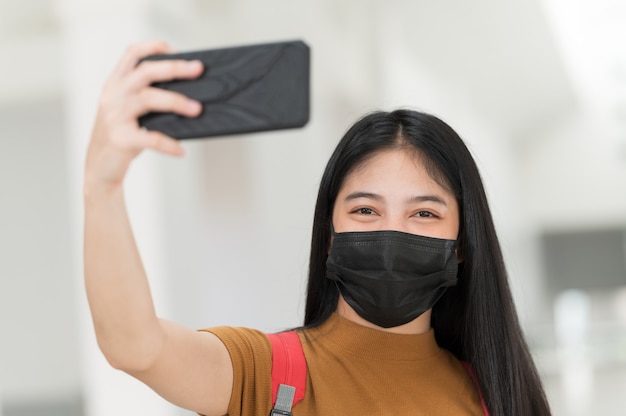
column 125, row 321
column 126, row 325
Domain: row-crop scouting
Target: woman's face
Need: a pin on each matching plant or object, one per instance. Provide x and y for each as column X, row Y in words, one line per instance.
column 393, row 191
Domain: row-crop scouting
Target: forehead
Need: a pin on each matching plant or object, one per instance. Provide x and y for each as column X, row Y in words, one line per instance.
column 403, row 163
column 409, row 154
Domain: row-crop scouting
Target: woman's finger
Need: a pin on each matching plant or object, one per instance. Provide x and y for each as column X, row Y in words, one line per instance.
column 135, row 52
column 149, row 72
column 160, row 142
column 160, row 100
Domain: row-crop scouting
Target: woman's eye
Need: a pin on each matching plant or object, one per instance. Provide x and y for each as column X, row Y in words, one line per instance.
column 365, row 211
column 425, row 214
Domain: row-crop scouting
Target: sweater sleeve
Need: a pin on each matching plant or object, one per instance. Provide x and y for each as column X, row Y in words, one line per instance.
column 251, row 354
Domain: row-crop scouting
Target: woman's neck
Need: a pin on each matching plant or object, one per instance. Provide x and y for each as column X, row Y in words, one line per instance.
column 419, row 325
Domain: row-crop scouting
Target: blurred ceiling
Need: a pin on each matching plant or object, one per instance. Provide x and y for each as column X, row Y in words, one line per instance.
column 591, row 36
column 522, row 64
column 502, row 55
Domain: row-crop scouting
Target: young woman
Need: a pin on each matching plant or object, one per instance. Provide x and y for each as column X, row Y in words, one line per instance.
column 406, row 277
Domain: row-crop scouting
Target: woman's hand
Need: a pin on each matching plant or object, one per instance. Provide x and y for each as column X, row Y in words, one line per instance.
column 117, row 138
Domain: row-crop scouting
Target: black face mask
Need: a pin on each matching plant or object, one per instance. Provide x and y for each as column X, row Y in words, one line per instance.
column 389, row 277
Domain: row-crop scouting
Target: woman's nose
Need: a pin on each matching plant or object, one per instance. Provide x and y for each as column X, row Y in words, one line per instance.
column 395, row 223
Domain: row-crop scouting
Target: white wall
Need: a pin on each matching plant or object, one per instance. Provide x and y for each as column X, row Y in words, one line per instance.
column 575, row 175
column 39, row 341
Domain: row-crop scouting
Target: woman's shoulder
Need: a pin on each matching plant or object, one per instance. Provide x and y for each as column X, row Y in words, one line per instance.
column 251, row 357
column 240, row 337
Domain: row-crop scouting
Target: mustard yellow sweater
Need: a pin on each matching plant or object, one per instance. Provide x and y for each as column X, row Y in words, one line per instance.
column 353, row 370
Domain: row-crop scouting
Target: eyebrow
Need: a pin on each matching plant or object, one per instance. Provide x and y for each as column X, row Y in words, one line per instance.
column 376, row 197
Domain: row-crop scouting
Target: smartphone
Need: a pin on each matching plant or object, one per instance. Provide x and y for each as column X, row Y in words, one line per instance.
column 243, row 89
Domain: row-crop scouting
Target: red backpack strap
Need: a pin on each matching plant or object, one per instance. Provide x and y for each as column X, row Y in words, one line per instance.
column 472, row 375
column 288, row 364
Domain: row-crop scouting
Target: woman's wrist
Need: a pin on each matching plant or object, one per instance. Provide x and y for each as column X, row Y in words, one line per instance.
column 94, row 189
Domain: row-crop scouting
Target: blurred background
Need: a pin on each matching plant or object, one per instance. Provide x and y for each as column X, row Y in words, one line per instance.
column 537, row 88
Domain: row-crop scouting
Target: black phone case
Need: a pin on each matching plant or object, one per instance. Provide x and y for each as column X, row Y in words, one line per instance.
column 243, row 89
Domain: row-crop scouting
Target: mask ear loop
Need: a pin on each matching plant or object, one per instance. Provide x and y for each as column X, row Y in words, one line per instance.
column 333, row 233
column 460, row 258
column 330, row 239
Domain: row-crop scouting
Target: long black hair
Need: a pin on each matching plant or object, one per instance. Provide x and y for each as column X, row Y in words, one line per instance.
column 475, row 320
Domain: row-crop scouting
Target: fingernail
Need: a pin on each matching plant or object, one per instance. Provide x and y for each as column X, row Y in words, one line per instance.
column 195, row 64
column 194, row 106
